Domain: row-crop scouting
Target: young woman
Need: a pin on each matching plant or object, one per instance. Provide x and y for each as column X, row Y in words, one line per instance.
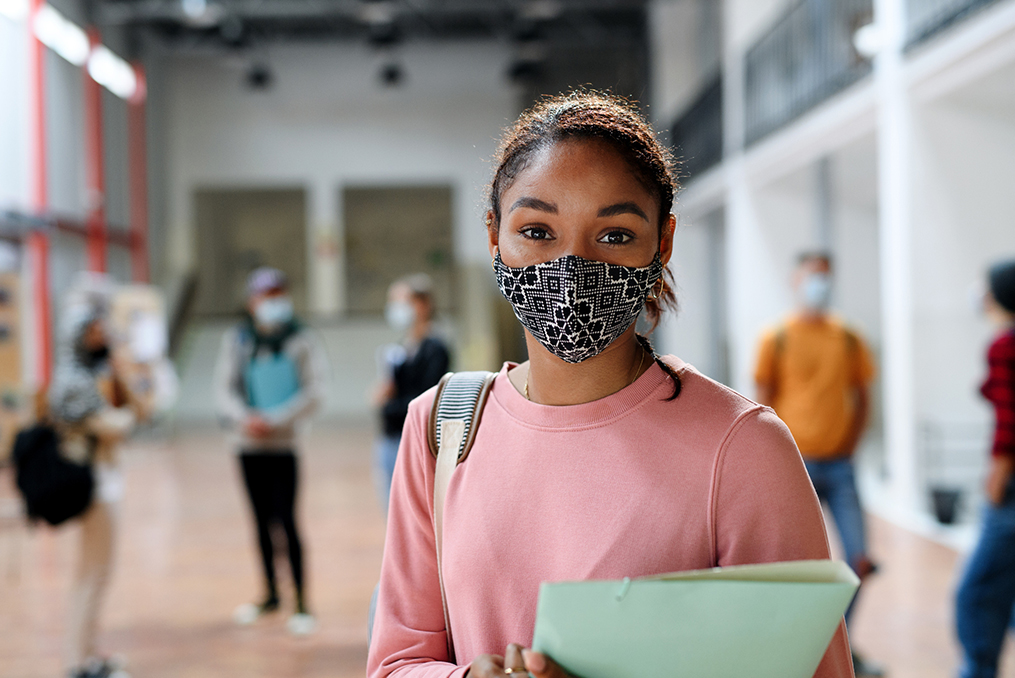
column 596, row 459
column 94, row 413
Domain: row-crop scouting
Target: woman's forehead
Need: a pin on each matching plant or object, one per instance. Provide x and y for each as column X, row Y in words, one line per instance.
column 582, row 164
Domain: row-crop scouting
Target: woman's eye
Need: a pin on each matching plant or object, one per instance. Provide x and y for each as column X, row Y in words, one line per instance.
column 535, row 233
column 615, row 238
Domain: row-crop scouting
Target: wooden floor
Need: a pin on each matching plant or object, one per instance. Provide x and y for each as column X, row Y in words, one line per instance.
column 186, row 559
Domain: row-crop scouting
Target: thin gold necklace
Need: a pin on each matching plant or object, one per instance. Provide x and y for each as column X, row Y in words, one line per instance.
column 641, row 361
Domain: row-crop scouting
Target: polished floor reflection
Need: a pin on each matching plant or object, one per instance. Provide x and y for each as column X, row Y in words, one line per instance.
column 186, row 559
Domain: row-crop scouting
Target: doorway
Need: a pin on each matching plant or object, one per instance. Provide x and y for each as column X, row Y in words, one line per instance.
column 239, row 230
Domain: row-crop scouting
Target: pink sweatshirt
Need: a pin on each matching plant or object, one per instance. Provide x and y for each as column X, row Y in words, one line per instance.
column 625, row 486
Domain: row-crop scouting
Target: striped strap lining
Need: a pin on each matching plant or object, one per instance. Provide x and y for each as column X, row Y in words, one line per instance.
column 458, row 400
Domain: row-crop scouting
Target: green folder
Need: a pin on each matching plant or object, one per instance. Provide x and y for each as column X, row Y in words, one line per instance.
column 750, row 621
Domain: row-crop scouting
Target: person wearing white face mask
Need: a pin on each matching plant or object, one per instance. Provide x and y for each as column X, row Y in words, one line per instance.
column 815, row 372
column 408, row 369
column 270, row 377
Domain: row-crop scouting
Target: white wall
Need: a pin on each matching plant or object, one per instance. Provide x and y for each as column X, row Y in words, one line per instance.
column 964, row 219
column 15, row 132
column 676, row 69
column 326, row 123
column 747, row 19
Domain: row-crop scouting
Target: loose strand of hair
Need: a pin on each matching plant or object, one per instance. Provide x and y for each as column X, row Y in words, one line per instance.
column 677, row 384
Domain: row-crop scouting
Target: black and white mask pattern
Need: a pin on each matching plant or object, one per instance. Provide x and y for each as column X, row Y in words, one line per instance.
column 573, row 306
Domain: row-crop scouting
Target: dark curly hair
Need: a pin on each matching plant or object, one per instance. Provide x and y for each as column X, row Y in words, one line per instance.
column 589, row 114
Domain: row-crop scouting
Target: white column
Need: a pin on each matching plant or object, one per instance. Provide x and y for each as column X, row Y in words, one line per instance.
column 894, row 153
column 324, row 252
column 742, row 227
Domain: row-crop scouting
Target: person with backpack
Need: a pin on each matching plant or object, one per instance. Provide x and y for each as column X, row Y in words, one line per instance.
column 596, row 458
column 270, row 378
column 92, row 413
column 986, row 592
column 815, row 372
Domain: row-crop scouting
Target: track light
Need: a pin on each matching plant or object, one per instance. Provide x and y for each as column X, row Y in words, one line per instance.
column 62, row 36
column 15, row 10
column 112, row 72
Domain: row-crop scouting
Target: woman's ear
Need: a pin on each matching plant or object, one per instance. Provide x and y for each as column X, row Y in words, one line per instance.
column 492, row 233
column 666, row 239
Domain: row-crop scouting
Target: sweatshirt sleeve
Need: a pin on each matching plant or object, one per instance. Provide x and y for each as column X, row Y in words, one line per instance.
column 764, row 510
column 232, row 407
column 409, row 639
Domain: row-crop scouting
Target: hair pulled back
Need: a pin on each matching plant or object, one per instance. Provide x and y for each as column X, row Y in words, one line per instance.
column 589, row 114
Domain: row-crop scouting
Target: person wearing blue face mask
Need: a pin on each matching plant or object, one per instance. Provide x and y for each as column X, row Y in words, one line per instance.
column 408, row 369
column 815, row 372
column 270, row 377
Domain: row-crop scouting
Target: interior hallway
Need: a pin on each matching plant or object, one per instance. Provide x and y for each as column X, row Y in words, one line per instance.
column 187, row 558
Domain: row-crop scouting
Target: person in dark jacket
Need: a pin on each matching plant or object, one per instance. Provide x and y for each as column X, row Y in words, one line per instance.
column 408, row 368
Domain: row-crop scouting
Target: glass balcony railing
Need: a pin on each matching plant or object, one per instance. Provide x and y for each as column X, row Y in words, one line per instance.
column 696, row 134
column 926, row 18
column 805, row 58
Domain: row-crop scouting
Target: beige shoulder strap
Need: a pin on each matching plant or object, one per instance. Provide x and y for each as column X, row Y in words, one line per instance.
column 452, row 434
column 454, row 419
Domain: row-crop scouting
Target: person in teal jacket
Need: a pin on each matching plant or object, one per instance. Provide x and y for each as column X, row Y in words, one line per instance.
column 270, row 378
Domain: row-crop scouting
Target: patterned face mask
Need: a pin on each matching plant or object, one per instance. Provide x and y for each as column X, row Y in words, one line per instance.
column 576, row 307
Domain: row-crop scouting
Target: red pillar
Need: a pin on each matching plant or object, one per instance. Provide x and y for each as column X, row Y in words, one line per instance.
column 96, row 168
column 138, row 154
column 38, row 243
column 38, row 253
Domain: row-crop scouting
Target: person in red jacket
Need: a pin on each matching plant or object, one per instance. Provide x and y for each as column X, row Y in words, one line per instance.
column 987, row 592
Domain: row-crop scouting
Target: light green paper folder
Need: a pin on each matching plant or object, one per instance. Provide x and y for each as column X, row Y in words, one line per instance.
column 749, row 621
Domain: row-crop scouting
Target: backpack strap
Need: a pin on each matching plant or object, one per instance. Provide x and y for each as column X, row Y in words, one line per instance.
column 454, row 420
column 778, row 350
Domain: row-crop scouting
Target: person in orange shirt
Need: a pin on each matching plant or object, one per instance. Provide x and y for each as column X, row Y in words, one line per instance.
column 816, row 372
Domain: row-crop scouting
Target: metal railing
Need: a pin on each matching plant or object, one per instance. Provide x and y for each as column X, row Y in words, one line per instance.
column 696, row 134
column 805, row 58
column 925, row 18
column 952, row 458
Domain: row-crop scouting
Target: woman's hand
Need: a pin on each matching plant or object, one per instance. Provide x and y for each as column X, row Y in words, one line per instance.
column 517, row 661
column 1001, row 468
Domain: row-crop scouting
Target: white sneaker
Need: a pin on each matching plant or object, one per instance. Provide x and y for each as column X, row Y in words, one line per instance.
column 301, row 624
column 246, row 614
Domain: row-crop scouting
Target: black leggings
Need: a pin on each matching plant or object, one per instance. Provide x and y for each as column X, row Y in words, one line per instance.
column 271, row 484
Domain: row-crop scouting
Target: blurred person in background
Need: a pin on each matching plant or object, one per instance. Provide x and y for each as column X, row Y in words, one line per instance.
column 987, row 589
column 93, row 412
column 409, row 368
column 815, row 372
column 270, row 377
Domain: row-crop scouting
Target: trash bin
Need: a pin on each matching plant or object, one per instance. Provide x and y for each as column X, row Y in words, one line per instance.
column 946, row 502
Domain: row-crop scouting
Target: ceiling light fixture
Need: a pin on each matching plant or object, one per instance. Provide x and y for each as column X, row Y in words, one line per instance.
column 15, row 10
column 62, row 36
column 112, row 72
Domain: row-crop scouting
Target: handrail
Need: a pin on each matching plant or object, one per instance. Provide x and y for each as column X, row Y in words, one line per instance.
column 803, row 59
column 927, row 18
column 697, row 133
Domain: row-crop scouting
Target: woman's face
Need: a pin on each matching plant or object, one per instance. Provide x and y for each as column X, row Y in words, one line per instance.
column 579, row 197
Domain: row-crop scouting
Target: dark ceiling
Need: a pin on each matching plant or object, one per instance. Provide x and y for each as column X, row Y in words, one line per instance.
column 234, row 23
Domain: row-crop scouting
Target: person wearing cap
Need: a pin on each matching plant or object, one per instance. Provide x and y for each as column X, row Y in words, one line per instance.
column 986, row 592
column 270, row 378
column 408, row 369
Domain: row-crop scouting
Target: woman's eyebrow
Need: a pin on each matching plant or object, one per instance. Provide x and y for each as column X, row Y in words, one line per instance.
column 623, row 208
column 535, row 204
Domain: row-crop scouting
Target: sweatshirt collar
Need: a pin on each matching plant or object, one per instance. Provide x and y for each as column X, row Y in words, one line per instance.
column 654, row 384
